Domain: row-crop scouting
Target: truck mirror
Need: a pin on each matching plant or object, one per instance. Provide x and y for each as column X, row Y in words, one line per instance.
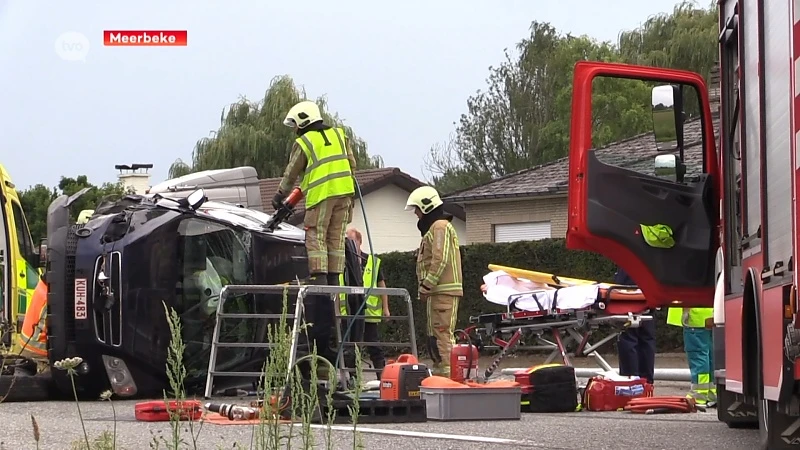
column 196, row 199
column 669, row 167
column 667, row 104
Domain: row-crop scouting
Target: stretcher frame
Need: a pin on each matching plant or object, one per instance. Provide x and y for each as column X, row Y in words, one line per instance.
column 576, row 324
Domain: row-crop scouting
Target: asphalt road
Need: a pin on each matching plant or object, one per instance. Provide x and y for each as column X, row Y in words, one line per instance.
column 59, row 426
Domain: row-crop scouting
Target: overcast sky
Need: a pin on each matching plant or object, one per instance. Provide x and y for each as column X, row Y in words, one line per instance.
column 399, row 73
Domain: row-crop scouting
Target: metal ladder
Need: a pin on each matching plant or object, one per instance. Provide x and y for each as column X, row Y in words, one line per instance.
column 302, row 292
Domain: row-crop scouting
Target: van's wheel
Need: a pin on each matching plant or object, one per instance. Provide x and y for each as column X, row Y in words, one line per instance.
column 25, row 388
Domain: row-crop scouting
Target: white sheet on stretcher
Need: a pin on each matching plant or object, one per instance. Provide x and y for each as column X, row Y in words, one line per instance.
column 500, row 286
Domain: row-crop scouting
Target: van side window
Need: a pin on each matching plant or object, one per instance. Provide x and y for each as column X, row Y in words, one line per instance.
column 23, row 234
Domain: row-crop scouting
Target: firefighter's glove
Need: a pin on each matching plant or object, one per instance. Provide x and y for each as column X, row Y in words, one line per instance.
column 424, row 291
column 277, row 200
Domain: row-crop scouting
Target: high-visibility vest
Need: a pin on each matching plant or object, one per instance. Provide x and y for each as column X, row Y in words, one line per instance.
column 328, row 171
column 689, row 317
column 373, row 310
column 33, row 336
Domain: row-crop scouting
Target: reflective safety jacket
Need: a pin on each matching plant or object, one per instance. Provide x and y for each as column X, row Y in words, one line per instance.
column 439, row 260
column 327, row 171
column 689, row 317
column 373, row 310
column 33, row 336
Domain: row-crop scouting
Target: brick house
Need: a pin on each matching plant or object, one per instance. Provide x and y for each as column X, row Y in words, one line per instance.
column 384, row 192
column 532, row 203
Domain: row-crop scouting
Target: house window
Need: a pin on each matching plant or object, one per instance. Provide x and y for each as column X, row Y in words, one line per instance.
column 523, row 231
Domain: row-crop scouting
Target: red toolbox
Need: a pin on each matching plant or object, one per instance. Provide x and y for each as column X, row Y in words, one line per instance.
column 156, row 410
column 603, row 394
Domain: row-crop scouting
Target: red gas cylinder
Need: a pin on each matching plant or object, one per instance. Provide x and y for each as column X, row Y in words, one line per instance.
column 463, row 362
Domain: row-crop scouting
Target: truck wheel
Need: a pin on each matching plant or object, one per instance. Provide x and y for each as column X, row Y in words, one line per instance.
column 775, row 429
column 734, row 413
column 25, row 388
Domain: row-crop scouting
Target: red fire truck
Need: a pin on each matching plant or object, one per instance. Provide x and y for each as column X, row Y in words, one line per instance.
column 732, row 210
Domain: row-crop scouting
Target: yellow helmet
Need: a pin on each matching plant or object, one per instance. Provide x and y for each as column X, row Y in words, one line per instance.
column 84, row 216
column 303, row 114
column 426, row 198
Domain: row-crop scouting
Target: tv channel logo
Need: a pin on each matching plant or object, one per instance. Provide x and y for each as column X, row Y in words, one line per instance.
column 72, row 46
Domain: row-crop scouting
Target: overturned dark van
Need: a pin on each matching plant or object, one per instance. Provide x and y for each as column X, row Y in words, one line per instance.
column 110, row 278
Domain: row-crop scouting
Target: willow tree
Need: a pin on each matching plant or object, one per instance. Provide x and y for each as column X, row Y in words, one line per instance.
column 253, row 134
column 684, row 39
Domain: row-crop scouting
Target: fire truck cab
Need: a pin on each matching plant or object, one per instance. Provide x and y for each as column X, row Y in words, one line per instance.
column 723, row 183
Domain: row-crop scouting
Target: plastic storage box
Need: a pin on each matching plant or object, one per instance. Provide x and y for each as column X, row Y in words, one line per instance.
column 472, row 403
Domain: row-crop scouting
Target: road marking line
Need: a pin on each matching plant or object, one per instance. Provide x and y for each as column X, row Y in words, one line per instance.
column 422, row 434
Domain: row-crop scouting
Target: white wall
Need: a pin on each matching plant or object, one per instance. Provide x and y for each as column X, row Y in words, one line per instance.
column 391, row 226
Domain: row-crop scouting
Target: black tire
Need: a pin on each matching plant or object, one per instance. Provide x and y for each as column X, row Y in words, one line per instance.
column 772, row 424
column 26, row 388
column 763, row 406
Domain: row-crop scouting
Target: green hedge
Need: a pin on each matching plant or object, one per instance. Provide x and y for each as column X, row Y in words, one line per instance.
column 548, row 255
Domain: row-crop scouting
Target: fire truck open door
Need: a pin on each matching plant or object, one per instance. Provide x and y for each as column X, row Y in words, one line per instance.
column 613, row 209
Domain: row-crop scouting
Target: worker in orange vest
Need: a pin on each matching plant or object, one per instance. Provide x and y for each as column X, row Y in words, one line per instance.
column 33, row 336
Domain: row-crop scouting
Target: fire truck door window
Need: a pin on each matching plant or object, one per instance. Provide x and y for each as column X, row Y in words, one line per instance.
column 647, row 168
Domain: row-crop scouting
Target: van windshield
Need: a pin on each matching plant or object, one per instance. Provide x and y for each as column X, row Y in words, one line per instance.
column 210, row 256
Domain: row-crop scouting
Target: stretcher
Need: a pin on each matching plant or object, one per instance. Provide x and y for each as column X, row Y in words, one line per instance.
column 568, row 309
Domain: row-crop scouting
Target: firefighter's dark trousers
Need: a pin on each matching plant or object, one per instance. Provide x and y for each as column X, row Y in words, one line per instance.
column 637, row 351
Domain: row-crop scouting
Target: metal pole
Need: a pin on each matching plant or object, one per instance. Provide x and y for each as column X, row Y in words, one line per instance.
column 212, row 360
column 299, row 314
column 412, row 329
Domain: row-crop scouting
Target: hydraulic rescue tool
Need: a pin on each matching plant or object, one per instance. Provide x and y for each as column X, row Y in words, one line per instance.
column 286, row 210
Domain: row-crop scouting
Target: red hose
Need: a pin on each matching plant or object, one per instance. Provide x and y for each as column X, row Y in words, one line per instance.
column 663, row 404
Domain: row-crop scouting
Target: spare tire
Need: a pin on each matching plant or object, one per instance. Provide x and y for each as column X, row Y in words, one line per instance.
column 26, row 388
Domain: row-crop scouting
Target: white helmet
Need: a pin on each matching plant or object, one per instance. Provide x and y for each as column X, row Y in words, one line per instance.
column 303, row 114
column 426, row 198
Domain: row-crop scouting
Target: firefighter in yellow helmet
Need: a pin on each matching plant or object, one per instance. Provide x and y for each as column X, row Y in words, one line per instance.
column 321, row 154
column 438, row 273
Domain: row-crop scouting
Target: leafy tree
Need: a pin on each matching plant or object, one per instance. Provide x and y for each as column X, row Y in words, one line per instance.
column 523, row 118
column 253, row 134
column 36, row 199
column 685, row 39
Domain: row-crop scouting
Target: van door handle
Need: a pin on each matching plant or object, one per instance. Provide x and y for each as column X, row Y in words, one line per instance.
column 22, row 274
